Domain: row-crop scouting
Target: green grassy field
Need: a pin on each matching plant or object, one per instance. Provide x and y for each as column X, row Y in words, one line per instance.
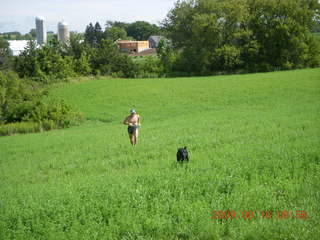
column 254, row 144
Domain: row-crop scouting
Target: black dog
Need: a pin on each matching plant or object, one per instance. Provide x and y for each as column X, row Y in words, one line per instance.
column 182, row 154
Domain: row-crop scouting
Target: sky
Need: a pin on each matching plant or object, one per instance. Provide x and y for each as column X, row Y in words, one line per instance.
column 19, row 15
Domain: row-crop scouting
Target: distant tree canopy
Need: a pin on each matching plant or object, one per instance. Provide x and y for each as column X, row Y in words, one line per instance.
column 123, row 25
column 107, row 60
column 252, row 35
column 18, row 36
column 139, row 30
column 93, row 34
column 142, row 30
column 55, row 62
column 115, row 33
column 44, row 64
column 33, row 33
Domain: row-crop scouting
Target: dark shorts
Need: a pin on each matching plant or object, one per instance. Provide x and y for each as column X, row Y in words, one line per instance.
column 132, row 129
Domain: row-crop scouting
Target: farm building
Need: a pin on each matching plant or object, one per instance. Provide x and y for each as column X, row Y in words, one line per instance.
column 41, row 30
column 63, row 32
column 17, row 46
column 154, row 41
column 132, row 46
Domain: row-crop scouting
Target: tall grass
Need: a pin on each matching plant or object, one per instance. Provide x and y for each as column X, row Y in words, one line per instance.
column 19, row 127
column 253, row 142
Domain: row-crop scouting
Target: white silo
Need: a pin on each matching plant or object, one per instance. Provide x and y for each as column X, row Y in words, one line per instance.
column 63, row 32
column 41, row 30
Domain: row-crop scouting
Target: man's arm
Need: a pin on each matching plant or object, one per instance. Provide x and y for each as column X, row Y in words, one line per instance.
column 125, row 121
column 139, row 120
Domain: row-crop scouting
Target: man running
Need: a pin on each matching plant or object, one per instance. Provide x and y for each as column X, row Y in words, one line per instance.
column 133, row 122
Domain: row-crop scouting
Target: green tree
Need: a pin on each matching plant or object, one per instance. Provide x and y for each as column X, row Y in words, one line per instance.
column 115, row 33
column 201, row 29
column 5, row 59
column 98, row 33
column 282, row 29
column 89, row 35
column 166, row 55
column 33, row 33
column 107, row 60
column 45, row 64
column 76, row 45
column 123, row 25
column 251, row 35
column 18, row 36
column 142, row 30
column 81, row 52
column 93, row 34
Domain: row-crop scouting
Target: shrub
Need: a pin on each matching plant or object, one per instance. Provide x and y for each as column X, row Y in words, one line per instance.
column 54, row 114
column 23, row 102
column 148, row 67
column 167, row 56
column 82, row 65
column 12, row 95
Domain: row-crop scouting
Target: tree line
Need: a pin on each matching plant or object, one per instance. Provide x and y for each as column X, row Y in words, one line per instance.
column 212, row 36
column 18, row 36
column 204, row 37
column 114, row 30
column 94, row 52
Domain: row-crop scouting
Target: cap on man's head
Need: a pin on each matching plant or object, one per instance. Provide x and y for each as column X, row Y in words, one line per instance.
column 132, row 111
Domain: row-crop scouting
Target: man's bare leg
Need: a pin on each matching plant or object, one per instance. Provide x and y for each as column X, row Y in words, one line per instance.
column 131, row 138
column 136, row 134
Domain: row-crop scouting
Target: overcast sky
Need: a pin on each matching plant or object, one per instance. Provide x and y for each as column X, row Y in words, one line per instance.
column 19, row 15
